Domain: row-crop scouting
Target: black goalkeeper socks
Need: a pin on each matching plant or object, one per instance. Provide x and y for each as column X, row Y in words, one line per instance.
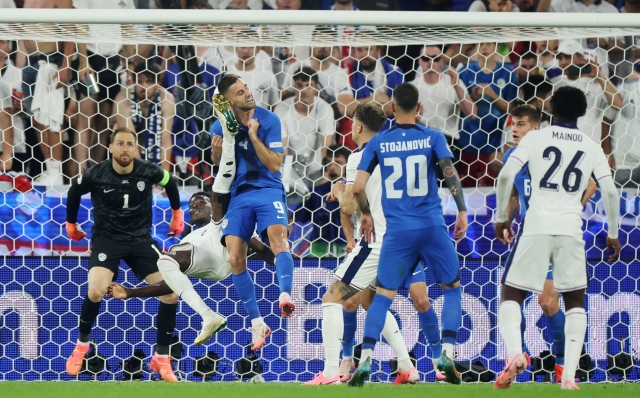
column 165, row 325
column 88, row 316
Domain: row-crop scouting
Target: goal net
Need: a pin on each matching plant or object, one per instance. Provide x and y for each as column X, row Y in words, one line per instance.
column 156, row 71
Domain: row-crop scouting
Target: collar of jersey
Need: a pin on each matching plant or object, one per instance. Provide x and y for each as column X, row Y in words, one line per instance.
column 362, row 147
column 566, row 125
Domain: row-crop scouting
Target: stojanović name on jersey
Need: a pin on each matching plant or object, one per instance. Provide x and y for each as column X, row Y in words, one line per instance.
column 405, row 145
column 567, row 136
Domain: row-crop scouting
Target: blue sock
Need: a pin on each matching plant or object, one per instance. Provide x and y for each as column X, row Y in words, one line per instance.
column 247, row 293
column 451, row 314
column 374, row 322
column 349, row 334
column 284, row 271
column 431, row 330
column 523, row 327
column 555, row 323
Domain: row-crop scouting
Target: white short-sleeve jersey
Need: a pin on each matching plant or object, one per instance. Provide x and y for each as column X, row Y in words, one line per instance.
column 374, row 194
column 561, row 160
column 209, row 259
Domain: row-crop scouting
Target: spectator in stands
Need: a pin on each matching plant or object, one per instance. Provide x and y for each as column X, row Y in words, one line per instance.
column 319, row 219
column 148, row 109
column 372, row 77
column 99, row 63
column 527, row 5
column 333, row 81
column 262, row 82
column 527, row 66
column 629, row 45
column 493, row 6
column 458, row 55
column 441, row 94
column 52, row 59
column 377, row 5
column 588, row 77
column 623, row 146
column 308, row 125
column 492, row 85
column 546, row 51
column 577, row 6
column 342, row 5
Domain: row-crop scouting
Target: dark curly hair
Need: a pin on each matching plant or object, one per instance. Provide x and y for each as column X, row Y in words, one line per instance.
column 569, row 103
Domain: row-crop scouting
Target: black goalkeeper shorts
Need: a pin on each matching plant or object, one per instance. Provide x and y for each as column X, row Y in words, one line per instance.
column 139, row 256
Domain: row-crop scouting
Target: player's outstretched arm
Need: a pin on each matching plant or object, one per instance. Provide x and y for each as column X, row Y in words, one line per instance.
column 118, row 291
column 453, row 182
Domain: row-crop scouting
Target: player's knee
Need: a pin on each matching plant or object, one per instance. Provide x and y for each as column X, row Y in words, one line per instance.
column 169, row 299
column 549, row 305
column 351, row 305
column 238, row 263
column 421, row 302
column 96, row 293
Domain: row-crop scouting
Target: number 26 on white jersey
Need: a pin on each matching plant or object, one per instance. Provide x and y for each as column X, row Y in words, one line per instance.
column 415, row 186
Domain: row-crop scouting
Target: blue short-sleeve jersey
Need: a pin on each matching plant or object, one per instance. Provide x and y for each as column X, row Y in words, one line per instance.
column 250, row 171
column 408, row 155
column 522, row 183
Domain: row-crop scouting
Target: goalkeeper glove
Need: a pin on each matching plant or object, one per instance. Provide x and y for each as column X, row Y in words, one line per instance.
column 177, row 223
column 75, row 232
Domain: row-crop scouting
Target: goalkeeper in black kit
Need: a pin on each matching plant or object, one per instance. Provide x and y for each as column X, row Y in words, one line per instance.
column 122, row 198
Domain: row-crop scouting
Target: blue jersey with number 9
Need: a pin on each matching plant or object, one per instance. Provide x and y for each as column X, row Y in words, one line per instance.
column 408, row 155
column 250, row 170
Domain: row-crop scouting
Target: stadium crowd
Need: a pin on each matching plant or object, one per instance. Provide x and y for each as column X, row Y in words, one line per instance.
column 50, row 135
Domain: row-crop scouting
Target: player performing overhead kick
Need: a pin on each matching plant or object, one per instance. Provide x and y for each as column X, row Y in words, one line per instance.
column 407, row 155
column 526, row 119
column 560, row 159
column 247, row 145
column 122, row 195
column 201, row 255
column 358, row 271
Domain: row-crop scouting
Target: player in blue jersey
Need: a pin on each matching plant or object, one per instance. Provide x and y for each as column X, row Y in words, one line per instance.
column 408, row 155
column 247, row 145
column 525, row 119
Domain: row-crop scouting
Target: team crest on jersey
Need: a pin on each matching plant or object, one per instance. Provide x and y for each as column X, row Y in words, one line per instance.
column 102, row 256
column 141, row 186
column 225, row 222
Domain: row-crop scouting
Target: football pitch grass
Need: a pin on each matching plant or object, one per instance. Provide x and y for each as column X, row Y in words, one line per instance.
column 285, row 390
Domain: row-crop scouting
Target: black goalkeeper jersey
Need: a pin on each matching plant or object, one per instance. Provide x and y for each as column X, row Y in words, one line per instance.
column 122, row 203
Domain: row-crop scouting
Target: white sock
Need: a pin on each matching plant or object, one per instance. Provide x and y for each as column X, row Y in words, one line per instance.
column 391, row 333
column 366, row 353
column 257, row 321
column 447, row 348
column 182, row 286
column 509, row 318
column 53, row 166
column 332, row 330
column 575, row 328
column 227, row 170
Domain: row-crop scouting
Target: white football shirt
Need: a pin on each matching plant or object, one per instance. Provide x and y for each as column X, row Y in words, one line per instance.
column 210, row 260
column 374, row 194
column 625, row 131
column 561, row 161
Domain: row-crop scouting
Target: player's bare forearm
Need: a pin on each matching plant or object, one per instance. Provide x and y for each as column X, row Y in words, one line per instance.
column 346, row 221
column 503, row 189
column 588, row 193
column 270, row 159
column 347, row 202
column 359, row 192
column 155, row 290
column 262, row 251
column 453, row 182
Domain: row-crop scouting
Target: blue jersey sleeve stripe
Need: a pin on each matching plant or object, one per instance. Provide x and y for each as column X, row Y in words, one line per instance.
column 370, row 167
